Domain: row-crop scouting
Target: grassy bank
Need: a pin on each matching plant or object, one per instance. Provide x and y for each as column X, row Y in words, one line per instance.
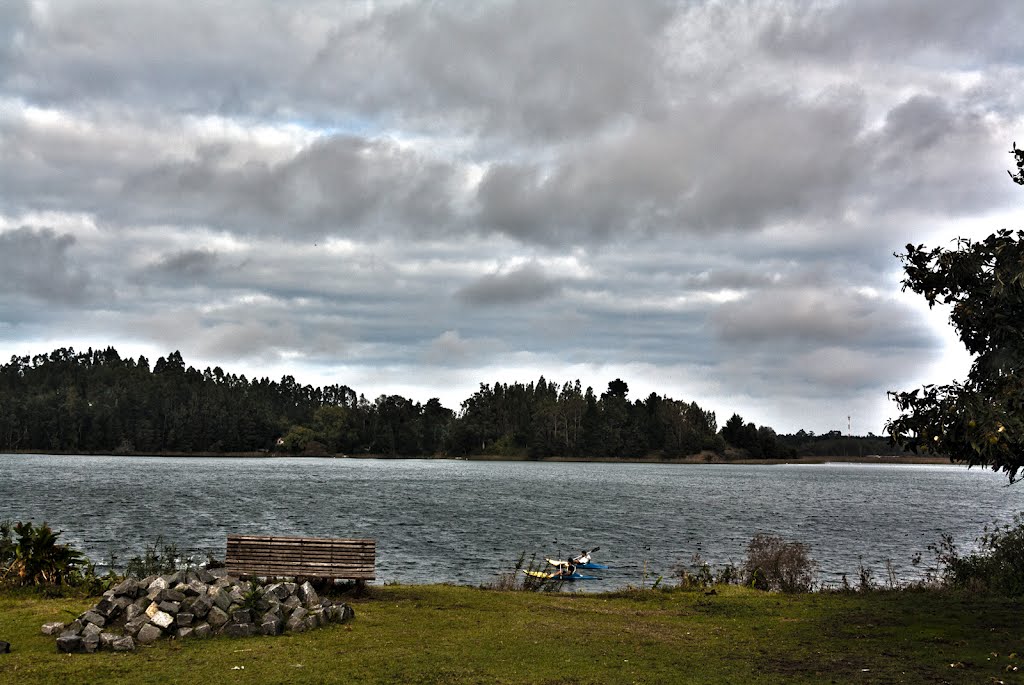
column 444, row 634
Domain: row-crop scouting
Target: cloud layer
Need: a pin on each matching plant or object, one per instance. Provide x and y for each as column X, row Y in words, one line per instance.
column 702, row 198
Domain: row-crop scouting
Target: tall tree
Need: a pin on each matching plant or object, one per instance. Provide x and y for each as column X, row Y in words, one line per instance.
column 981, row 420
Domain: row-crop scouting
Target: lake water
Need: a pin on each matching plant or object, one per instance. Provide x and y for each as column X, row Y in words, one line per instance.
column 463, row 521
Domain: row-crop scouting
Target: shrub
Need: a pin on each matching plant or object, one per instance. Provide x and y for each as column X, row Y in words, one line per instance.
column 699, row 574
column 776, row 564
column 515, row 580
column 998, row 566
column 159, row 558
column 36, row 558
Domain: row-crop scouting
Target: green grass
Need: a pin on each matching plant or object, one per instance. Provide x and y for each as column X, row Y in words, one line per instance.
column 444, row 634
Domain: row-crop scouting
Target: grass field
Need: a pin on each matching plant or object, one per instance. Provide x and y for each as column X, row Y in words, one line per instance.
column 445, row 634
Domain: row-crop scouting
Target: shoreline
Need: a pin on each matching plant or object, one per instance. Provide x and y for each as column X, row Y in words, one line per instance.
column 692, row 459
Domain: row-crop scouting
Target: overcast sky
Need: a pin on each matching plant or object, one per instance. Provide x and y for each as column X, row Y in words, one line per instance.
column 700, row 198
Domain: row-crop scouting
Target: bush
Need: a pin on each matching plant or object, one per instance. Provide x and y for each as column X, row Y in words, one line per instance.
column 998, row 566
column 159, row 559
column 700, row 575
column 775, row 564
column 35, row 557
column 515, row 580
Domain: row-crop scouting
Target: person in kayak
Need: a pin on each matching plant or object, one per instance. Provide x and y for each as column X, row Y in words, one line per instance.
column 583, row 558
column 567, row 569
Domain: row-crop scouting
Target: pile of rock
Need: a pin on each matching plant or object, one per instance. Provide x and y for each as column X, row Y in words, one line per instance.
column 194, row 604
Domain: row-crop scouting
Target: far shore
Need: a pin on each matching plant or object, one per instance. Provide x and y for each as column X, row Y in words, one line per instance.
column 706, row 458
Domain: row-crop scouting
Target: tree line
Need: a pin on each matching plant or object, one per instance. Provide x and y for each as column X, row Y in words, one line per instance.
column 99, row 402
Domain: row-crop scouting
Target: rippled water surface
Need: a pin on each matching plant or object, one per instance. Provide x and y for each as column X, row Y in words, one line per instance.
column 462, row 522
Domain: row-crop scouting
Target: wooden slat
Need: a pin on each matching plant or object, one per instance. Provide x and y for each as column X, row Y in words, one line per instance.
column 265, row 555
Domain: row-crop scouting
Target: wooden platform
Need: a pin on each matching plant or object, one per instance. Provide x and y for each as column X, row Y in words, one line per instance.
column 277, row 557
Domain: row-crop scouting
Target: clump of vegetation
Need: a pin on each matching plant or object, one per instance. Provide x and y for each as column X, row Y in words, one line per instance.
column 160, row 558
column 773, row 563
column 700, row 575
column 997, row 566
column 517, row 580
column 31, row 555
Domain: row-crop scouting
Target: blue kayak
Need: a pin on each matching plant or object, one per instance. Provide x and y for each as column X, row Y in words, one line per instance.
column 589, row 565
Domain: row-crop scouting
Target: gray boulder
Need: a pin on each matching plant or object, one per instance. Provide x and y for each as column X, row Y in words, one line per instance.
column 123, row 644
column 53, row 628
column 69, row 642
column 216, row 618
column 149, row 634
column 307, row 594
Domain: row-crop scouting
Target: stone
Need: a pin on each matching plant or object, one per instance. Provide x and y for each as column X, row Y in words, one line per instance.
column 184, row 619
column 169, row 607
column 149, row 634
column 75, row 627
column 270, row 628
column 184, row 632
column 5, row 647
column 144, row 583
column 53, row 628
column 204, row 576
column 123, row 644
column 194, row 588
column 295, row 625
column 240, row 630
column 104, row 607
column 241, row 616
column 201, row 606
column 312, row 622
column 162, row 620
column 174, row 595
column 222, row 599
column 107, row 640
column 91, row 630
column 132, row 611
column 121, row 604
column 152, row 609
column 94, row 618
column 299, row 613
column 237, row 594
column 202, row 631
column 133, row 626
column 158, row 584
column 307, row 594
column 143, row 602
column 173, row 579
column 291, row 603
column 126, row 588
column 90, row 643
column 69, row 642
column 289, row 588
column 216, row 618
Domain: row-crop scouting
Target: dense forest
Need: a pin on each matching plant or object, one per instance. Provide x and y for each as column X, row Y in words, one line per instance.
column 96, row 401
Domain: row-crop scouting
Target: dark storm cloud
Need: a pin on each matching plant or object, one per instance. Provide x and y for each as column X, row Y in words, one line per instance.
column 187, row 264
column 38, row 262
column 339, row 184
column 736, row 164
column 528, row 283
column 704, row 193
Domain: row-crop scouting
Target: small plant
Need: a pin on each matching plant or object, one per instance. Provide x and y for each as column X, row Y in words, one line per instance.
column 521, row 578
column 38, row 559
column 159, row 558
column 998, row 565
column 251, row 598
column 776, row 564
column 697, row 576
